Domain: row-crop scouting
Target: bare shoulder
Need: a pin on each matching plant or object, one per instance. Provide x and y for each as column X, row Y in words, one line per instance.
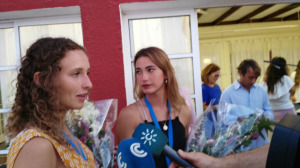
column 185, row 112
column 40, row 148
column 185, row 117
column 128, row 111
column 127, row 122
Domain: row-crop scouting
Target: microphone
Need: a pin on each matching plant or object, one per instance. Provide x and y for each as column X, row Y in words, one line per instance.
column 156, row 141
column 132, row 153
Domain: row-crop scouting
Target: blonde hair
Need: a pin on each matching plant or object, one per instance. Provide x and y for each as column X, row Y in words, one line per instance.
column 160, row 58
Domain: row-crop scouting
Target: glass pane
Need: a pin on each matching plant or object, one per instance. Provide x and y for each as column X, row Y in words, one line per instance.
column 194, row 105
column 7, row 88
column 3, row 143
column 133, row 72
column 3, row 159
column 184, row 72
column 7, row 47
column 29, row 34
column 160, row 32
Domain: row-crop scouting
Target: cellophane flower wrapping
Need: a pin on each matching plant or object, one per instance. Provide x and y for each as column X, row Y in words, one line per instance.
column 92, row 125
column 230, row 129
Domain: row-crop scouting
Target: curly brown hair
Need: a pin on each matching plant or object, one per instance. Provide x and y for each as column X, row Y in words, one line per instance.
column 37, row 106
column 160, row 58
column 274, row 73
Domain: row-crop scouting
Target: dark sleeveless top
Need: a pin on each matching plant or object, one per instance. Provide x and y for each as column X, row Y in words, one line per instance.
column 179, row 140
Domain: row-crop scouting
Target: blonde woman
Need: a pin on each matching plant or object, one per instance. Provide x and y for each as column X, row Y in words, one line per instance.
column 158, row 102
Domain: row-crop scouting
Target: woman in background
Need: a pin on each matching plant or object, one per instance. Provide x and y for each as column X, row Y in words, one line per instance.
column 210, row 89
column 296, row 77
column 211, row 94
column 158, row 102
column 53, row 79
column 279, row 87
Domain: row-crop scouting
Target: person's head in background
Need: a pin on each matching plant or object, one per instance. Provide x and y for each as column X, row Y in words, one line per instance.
column 53, row 79
column 157, row 61
column 248, row 71
column 210, row 74
column 276, row 69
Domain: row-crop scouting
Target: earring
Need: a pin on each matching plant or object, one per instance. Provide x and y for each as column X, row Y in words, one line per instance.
column 166, row 81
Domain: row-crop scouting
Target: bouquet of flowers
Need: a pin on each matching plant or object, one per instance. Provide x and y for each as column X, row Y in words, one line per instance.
column 92, row 125
column 234, row 128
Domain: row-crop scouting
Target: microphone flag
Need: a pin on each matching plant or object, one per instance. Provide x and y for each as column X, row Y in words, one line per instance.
column 152, row 137
column 157, row 143
column 132, row 153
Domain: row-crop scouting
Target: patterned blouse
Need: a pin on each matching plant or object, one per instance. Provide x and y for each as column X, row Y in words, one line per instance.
column 70, row 158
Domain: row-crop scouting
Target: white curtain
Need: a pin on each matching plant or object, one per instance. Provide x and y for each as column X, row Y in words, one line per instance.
column 160, row 32
column 29, row 34
column 287, row 46
column 7, row 58
column 217, row 51
column 231, row 51
column 248, row 48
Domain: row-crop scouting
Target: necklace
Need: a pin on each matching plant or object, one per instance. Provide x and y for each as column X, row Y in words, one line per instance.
column 79, row 151
column 165, row 127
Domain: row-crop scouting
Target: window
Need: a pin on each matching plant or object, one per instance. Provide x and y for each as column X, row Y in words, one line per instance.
column 173, row 32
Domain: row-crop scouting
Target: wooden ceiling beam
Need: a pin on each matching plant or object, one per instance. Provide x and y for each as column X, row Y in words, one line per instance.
column 247, row 18
column 279, row 12
column 294, row 16
column 250, row 21
column 225, row 15
column 255, row 12
column 199, row 15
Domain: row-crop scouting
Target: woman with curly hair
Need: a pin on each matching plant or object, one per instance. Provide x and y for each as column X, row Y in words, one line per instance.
column 279, row 87
column 53, row 79
column 158, row 102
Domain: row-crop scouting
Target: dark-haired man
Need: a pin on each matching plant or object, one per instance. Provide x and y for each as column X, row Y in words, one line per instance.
column 244, row 91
